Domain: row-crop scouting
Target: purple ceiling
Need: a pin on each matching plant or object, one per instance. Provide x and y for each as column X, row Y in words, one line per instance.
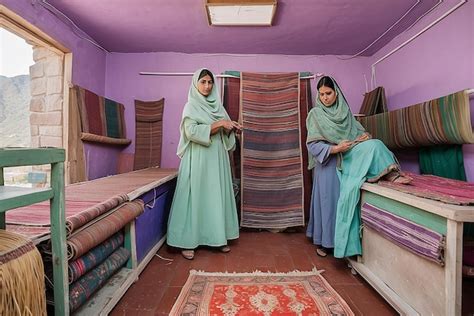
column 301, row 27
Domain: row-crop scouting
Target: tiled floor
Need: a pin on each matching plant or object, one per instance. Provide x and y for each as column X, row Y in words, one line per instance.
column 160, row 283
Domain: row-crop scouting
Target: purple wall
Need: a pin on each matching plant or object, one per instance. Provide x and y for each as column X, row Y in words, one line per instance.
column 124, row 84
column 88, row 71
column 88, row 61
column 437, row 63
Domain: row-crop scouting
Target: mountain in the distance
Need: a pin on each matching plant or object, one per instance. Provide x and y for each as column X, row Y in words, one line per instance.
column 15, row 111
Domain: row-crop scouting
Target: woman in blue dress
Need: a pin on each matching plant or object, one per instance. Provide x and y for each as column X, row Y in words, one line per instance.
column 339, row 166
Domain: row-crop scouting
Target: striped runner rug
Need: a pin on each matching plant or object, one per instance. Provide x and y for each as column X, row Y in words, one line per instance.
column 271, row 159
column 416, row 238
column 444, row 120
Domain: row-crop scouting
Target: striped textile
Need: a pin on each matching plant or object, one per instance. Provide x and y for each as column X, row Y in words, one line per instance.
column 88, row 238
column 374, row 102
column 411, row 236
column 100, row 116
column 83, row 288
column 148, row 133
column 85, row 200
column 90, row 260
column 271, row 161
column 445, row 120
column 436, row 188
column 87, row 215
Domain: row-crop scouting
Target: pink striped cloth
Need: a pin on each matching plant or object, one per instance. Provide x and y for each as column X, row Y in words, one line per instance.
column 436, row 188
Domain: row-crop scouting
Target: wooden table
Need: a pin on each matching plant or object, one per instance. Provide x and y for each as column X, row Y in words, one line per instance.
column 410, row 283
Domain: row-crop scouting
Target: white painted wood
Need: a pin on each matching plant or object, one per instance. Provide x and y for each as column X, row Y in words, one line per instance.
column 453, row 212
column 386, row 292
column 430, row 289
column 453, row 271
column 418, row 282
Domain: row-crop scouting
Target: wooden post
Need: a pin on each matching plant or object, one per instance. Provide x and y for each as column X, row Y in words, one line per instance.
column 453, row 268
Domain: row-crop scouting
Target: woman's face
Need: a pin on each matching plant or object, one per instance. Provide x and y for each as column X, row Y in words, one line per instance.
column 205, row 85
column 327, row 95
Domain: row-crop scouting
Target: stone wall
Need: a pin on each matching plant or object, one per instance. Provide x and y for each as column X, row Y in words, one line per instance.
column 46, row 107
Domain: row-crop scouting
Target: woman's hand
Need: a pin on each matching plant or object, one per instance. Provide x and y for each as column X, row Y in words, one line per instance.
column 227, row 125
column 365, row 136
column 342, row 147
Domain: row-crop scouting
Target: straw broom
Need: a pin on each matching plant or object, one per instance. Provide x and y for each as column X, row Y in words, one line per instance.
column 22, row 289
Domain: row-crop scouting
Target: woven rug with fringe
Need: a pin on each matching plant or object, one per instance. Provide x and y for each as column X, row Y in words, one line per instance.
column 259, row 293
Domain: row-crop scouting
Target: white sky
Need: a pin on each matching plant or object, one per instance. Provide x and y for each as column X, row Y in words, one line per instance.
column 16, row 56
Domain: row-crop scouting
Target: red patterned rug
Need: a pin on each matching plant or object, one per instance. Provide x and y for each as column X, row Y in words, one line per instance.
column 293, row 293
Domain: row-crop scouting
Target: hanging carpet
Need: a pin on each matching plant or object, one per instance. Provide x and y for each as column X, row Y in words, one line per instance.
column 148, row 133
column 272, row 193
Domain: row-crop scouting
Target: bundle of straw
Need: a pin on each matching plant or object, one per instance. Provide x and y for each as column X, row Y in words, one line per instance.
column 22, row 289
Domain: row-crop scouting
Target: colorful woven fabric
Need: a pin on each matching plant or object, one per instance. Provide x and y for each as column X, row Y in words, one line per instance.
column 272, row 162
column 100, row 116
column 87, row 215
column 293, row 293
column 83, row 288
column 445, row 120
column 407, row 234
column 374, row 102
column 90, row 260
column 232, row 105
column 87, row 199
column 148, row 133
column 88, row 238
column 436, row 188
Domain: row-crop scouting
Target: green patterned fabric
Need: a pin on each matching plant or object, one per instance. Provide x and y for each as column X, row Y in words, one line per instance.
column 444, row 161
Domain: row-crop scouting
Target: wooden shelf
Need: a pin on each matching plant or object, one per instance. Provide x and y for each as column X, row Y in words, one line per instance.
column 13, row 197
column 104, row 300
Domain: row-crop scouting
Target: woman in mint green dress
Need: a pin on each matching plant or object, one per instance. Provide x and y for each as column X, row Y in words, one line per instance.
column 331, row 124
column 203, row 211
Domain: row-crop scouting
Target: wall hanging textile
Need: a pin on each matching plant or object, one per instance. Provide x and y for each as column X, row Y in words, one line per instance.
column 232, row 104
column 148, row 133
column 436, row 188
column 258, row 293
column 272, row 194
column 443, row 160
column 445, row 120
column 102, row 119
column 374, row 102
column 22, row 290
column 407, row 234
column 83, row 288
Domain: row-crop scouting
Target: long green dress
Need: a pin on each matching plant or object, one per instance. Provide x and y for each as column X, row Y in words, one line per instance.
column 203, row 211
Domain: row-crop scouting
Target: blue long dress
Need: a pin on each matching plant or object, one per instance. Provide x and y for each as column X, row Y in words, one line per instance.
column 324, row 197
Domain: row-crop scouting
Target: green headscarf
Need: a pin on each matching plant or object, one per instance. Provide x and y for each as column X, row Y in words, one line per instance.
column 332, row 124
column 203, row 110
